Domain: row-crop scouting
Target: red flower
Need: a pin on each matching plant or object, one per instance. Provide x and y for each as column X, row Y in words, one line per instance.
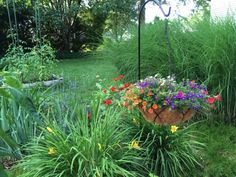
column 88, row 115
column 107, row 102
column 141, row 91
column 150, row 93
column 113, row 89
column 126, row 85
column 150, row 110
column 210, row 100
column 104, row 91
column 120, row 89
column 126, row 104
column 120, row 76
column 218, row 97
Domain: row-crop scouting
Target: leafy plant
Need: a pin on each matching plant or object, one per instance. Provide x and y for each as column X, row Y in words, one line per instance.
column 170, row 150
column 37, row 64
column 18, row 116
column 91, row 145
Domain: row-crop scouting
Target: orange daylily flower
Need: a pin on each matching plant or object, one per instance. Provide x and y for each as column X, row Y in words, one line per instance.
column 144, row 103
column 154, row 106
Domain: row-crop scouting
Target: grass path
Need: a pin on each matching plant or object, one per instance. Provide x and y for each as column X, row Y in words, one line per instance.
column 86, row 72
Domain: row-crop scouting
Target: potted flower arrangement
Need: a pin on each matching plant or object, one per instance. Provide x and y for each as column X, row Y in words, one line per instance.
column 166, row 101
column 161, row 100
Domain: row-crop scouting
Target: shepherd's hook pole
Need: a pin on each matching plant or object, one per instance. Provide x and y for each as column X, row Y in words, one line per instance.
column 139, row 28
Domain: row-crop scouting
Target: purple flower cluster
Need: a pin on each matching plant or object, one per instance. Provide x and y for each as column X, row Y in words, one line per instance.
column 192, row 85
column 143, row 85
column 167, row 92
column 192, row 97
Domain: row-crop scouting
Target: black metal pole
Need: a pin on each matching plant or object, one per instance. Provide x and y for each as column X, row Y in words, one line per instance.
column 139, row 29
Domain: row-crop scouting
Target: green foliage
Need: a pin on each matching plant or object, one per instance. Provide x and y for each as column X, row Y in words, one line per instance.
column 85, row 73
column 2, row 172
column 153, row 52
column 169, row 152
column 87, row 146
column 204, row 51
column 35, row 65
column 18, row 116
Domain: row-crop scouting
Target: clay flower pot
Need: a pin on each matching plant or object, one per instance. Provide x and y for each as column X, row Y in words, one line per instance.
column 166, row 116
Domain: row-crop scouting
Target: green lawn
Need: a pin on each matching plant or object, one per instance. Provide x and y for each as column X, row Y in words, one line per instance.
column 219, row 156
column 85, row 73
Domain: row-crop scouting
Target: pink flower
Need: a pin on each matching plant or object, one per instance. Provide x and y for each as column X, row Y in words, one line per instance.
column 180, row 94
column 204, row 92
column 218, row 97
column 210, row 100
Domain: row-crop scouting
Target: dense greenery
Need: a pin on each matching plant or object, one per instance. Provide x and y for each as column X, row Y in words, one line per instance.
column 97, row 124
column 35, row 65
column 204, row 51
column 69, row 25
column 83, row 146
column 216, row 158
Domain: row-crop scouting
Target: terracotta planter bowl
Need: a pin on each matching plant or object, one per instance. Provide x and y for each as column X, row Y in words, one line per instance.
column 165, row 116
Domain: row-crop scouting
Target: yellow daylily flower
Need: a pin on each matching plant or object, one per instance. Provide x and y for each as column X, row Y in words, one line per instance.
column 135, row 121
column 134, row 144
column 51, row 151
column 173, row 128
column 50, row 130
column 99, row 146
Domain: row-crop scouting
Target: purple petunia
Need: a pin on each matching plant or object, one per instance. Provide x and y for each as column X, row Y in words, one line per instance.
column 143, row 84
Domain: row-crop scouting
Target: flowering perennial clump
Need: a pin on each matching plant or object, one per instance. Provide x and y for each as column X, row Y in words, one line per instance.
column 115, row 93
